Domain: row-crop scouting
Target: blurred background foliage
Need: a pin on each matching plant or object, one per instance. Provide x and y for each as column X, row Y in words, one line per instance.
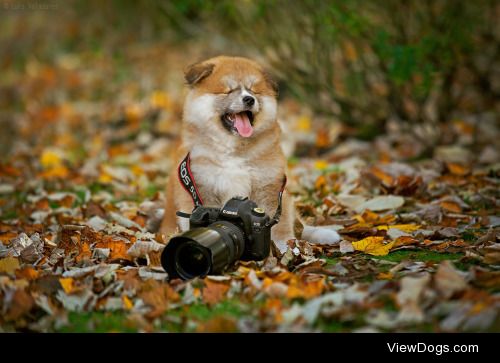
column 366, row 64
column 363, row 63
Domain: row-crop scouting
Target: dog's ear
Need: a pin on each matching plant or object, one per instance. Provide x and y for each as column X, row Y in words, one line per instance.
column 271, row 82
column 198, row 71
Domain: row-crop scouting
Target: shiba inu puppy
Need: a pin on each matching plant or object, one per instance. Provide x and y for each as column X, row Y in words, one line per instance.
column 231, row 133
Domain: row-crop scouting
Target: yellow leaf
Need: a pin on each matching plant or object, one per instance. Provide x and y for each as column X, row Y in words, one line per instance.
column 320, row 164
column 373, row 246
column 478, row 307
column 105, row 178
column 59, row 171
column 385, row 276
column 408, row 228
column 160, row 99
column 373, row 219
column 137, row 170
column 304, row 123
column 50, row 159
column 127, row 304
column 67, row 284
column 9, row 264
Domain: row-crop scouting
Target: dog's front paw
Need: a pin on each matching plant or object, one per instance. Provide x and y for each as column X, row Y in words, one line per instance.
column 321, row 235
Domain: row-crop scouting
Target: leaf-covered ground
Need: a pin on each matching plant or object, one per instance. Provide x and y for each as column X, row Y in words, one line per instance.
column 86, row 137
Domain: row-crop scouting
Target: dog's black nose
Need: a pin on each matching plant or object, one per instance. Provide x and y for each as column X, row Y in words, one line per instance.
column 248, row 101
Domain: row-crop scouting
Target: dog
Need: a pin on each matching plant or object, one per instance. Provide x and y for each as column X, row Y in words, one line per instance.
column 231, row 133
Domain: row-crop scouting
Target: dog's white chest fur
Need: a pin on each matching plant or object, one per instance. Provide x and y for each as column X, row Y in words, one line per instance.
column 224, row 177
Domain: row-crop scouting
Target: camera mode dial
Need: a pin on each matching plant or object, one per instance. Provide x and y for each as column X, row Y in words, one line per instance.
column 259, row 212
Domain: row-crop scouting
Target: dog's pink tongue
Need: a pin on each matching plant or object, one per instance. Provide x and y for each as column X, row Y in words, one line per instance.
column 242, row 124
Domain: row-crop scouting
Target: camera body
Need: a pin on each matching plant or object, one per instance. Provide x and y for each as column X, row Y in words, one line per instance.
column 218, row 237
column 247, row 216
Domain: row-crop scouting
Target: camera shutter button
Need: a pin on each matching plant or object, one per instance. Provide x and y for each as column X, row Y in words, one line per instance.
column 258, row 212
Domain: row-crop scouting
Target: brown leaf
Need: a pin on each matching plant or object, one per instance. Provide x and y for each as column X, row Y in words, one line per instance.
column 448, row 281
column 487, row 279
column 492, row 258
column 28, row 273
column 451, row 206
column 219, row 324
column 118, row 248
column 157, row 295
column 382, row 176
column 404, row 241
column 458, row 169
column 94, row 209
column 6, row 237
column 21, row 303
column 214, row 292
column 306, row 290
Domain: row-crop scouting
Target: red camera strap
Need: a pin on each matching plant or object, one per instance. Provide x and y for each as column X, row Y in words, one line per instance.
column 186, row 178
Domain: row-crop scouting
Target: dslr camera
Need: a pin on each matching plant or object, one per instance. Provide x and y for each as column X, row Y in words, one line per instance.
column 217, row 238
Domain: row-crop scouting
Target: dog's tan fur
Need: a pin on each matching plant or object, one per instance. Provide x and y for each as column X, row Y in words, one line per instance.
column 225, row 164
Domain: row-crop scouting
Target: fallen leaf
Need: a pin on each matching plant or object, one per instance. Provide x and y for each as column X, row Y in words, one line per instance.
column 214, row 292
column 22, row 303
column 492, row 258
column 28, row 273
column 450, row 206
column 373, row 246
column 306, row 290
column 384, row 177
column 143, row 248
column 218, row 324
column 304, row 123
column 51, row 158
column 404, row 241
column 9, row 265
column 408, row 228
column 351, row 201
column 409, row 296
column 380, row 203
column 448, row 280
column 157, row 296
column 127, row 303
column 458, row 169
column 487, row 279
column 118, row 248
column 346, row 247
column 385, row 276
column 67, row 284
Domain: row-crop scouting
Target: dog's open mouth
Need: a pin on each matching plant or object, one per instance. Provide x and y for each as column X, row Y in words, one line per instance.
column 242, row 122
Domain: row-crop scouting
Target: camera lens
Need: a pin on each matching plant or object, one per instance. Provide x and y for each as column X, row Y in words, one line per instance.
column 202, row 251
column 192, row 260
